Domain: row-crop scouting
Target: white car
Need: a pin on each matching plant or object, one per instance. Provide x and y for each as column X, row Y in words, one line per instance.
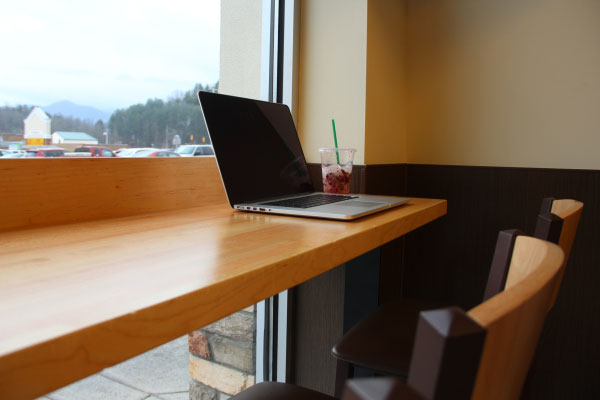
column 130, row 152
column 195, row 150
column 4, row 153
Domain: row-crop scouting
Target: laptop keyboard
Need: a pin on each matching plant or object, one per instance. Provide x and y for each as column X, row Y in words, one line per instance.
column 310, row 201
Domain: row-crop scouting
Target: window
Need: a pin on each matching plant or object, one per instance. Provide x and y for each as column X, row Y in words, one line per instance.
column 122, row 73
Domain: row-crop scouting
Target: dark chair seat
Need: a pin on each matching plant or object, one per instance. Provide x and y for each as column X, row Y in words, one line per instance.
column 280, row 391
column 380, row 389
column 383, row 341
column 360, row 389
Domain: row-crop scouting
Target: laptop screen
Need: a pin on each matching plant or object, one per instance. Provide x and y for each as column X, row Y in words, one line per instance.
column 256, row 146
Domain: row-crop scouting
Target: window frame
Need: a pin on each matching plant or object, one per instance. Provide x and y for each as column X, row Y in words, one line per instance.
column 279, row 66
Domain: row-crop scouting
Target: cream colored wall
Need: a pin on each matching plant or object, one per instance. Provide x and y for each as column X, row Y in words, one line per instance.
column 385, row 120
column 332, row 75
column 241, row 28
column 504, row 83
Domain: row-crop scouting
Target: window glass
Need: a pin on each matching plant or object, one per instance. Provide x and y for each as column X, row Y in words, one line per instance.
column 122, row 73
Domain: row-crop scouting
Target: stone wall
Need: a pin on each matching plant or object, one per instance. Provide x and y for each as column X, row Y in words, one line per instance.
column 222, row 356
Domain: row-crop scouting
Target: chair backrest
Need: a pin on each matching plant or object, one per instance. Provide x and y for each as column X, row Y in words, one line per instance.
column 568, row 212
column 514, row 318
column 501, row 262
column 556, row 223
column 485, row 353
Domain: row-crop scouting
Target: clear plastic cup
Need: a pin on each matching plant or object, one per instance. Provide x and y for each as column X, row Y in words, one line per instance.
column 336, row 168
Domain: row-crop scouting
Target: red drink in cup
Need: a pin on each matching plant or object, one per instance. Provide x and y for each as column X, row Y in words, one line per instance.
column 336, row 167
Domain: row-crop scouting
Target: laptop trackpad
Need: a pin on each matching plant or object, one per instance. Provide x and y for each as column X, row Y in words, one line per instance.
column 358, row 203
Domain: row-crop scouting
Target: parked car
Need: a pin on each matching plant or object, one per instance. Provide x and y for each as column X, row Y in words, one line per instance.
column 195, row 150
column 80, row 154
column 156, row 153
column 45, row 152
column 131, row 152
column 95, row 151
column 9, row 154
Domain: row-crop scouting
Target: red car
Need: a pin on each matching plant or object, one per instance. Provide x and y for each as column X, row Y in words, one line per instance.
column 56, row 152
column 96, row 151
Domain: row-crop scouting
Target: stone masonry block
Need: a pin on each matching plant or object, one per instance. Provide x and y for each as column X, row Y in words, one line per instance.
column 235, row 353
column 201, row 392
column 198, row 344
column 219, row 377
column 237, row 326
column 223, row 396
column 250, row 309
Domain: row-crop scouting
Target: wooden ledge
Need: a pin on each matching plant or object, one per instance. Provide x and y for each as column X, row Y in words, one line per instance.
column 41, row 192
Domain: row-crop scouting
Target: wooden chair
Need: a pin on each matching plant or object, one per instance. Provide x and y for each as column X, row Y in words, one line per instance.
column 558, row 224
column 482, row 354
column 382, row 342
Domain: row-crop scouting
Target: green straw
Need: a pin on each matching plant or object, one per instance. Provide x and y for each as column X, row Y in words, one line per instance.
column 335, row 141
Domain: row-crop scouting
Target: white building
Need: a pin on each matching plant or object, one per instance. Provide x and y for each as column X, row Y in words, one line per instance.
column 37, row 127
column 73, row 137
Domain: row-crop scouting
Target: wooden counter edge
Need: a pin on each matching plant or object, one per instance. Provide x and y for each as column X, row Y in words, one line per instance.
column 87, row 351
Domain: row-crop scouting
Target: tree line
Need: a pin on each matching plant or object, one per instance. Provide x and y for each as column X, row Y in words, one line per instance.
column 11, row 118
column 156, row 123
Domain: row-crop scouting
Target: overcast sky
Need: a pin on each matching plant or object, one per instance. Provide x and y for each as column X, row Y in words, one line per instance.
column 106, row 54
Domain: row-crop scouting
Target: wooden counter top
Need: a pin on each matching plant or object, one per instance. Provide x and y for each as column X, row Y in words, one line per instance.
column 76, row 298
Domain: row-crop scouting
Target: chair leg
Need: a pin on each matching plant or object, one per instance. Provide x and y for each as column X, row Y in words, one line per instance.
column 343, row 371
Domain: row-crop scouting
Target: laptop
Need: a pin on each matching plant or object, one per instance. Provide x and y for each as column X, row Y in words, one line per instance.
column 263, row 167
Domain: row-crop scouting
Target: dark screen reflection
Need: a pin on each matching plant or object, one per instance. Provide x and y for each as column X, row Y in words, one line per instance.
column 256, row 146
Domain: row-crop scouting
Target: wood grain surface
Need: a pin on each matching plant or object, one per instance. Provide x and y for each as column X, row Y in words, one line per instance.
column 76, row 298
column 514, row 319
column 570, row 211
column 37, row 192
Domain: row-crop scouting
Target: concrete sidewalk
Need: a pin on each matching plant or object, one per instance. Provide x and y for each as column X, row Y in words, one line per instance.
column 159, row 374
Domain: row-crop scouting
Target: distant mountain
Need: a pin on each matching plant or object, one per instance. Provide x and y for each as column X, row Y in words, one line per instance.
column 69, row 109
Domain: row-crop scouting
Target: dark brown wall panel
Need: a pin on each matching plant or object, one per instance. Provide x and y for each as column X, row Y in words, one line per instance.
column 450, row 259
